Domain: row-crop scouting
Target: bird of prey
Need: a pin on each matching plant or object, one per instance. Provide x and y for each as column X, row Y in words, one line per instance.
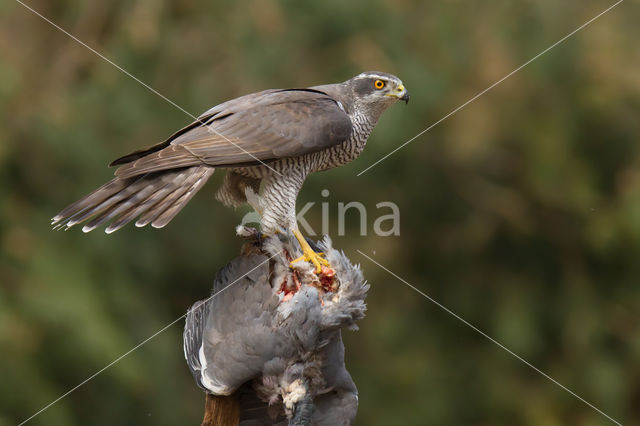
column 271, row 139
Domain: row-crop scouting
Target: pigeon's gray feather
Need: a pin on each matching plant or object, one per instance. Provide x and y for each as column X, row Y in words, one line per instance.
column 282, row 356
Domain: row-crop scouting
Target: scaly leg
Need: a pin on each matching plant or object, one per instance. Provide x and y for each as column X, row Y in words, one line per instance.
column 308, row 254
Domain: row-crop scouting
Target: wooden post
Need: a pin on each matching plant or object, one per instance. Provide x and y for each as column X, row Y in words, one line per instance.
column 221, row 411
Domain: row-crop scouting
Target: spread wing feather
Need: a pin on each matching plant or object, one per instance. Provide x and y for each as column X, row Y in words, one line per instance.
column 256, row 128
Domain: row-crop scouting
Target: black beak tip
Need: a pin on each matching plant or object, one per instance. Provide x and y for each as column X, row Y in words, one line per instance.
column 405, row 98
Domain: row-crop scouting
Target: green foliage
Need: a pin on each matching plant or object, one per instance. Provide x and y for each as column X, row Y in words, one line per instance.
column 521, row 212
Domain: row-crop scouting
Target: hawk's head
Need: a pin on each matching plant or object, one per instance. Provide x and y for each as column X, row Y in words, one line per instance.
column 379, row 86
column 376, row 91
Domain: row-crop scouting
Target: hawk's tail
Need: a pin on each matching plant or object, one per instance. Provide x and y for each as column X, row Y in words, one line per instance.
column 155, row 197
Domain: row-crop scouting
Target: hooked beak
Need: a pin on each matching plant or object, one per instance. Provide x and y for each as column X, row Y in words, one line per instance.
column 405, row 97
column 401, row 93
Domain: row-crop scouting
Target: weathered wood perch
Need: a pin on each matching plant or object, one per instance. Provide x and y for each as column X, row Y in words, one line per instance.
column 221, row 410
column 267, row 347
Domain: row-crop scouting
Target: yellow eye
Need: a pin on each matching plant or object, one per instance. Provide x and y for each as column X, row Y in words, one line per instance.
column 378, row 84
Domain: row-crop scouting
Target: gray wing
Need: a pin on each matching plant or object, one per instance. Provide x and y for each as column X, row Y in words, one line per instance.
column 261, row 127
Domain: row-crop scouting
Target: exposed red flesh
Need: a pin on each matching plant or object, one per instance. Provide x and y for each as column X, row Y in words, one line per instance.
column 327, row 277
column 325, row 283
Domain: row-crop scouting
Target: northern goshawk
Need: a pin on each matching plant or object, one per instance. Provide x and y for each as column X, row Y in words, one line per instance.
column 273, row 138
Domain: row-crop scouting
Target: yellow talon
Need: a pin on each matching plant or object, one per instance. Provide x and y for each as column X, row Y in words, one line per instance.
column 308, row 254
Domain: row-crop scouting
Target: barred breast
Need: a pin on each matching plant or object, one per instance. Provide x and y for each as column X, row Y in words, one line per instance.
column 284, row 177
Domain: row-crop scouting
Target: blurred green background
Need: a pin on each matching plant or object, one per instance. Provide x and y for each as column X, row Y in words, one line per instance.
column 521, row 212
